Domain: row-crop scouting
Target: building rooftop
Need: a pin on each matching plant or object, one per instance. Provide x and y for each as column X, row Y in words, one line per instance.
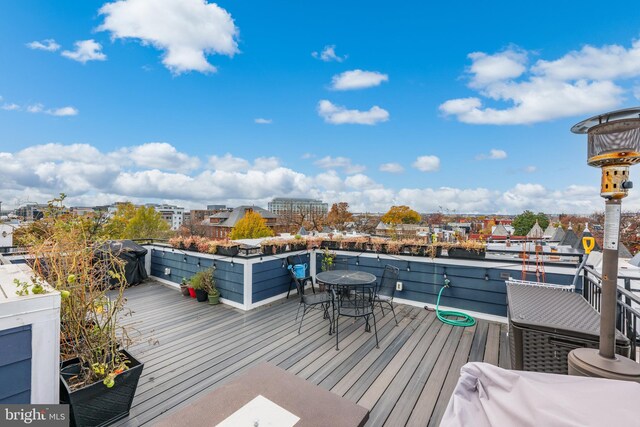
column 409, row 379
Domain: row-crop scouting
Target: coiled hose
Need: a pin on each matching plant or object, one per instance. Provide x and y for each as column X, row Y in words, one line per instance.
column 465, row 322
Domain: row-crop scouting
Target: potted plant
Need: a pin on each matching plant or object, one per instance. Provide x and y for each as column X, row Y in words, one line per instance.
column 199, row 284
column 98, row 376
column 208, row 285
column 184, row 287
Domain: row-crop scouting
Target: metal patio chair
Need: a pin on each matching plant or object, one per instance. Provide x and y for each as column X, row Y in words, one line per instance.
column 291, row 261
column 354, row 301
column 320, row 300
column 387, row 288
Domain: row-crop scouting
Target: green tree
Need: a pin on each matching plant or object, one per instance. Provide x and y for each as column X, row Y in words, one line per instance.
column 130, row 222
column 401, row 215
column 251, row 226
column 522, row 223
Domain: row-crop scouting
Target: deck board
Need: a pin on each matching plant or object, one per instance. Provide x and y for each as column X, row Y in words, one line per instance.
column 190, row 348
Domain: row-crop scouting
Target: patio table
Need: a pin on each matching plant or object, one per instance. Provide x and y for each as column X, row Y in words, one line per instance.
column 344, row 279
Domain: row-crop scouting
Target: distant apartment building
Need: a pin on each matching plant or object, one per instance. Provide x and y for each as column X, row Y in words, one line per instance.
column 30, row 212
column 174, row 215
column 220, row 224
column 284, row 205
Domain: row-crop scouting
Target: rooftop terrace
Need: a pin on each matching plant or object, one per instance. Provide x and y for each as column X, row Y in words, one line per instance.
column 190, row 348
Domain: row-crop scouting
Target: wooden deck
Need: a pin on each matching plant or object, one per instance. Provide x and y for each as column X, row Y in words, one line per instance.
column 189, row 348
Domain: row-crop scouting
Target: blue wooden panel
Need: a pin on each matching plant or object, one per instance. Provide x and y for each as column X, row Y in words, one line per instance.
column 269, row 279
column 469, row 290
column 15, row 365
column 229, row 277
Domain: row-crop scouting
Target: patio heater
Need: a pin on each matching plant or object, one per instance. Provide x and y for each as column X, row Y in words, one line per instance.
column 613, row 145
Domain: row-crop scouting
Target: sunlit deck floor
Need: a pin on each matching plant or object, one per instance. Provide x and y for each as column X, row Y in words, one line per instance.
column 189, row 348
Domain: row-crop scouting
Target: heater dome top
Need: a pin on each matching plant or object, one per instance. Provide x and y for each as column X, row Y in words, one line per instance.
column 612, row 116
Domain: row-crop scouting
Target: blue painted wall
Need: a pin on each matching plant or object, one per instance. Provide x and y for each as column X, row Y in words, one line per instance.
column 271, row 279
column 229, row 278
column 15, row 365
column 469, row 290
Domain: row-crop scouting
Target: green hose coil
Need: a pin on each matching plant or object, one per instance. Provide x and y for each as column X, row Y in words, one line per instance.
column 443, row 314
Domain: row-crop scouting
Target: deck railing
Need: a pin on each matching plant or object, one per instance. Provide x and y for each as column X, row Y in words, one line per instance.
column 628, row 304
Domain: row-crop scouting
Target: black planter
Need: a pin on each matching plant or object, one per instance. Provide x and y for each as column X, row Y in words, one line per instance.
column 330, row 244
column 268, row 249
column 466, row 253
column 227, row 250
column 96, row 404
column 201, row 295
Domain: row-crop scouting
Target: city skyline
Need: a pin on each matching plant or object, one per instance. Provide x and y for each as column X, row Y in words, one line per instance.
column 413, row 104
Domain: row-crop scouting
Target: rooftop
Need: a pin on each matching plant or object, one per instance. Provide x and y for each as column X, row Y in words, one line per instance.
column 189, row 349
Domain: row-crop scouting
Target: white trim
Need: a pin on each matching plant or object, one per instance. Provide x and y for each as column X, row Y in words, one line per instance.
column 475, row 314
column 165, row 282
column 232, row 304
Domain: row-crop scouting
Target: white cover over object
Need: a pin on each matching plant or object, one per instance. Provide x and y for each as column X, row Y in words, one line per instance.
column 490, row 396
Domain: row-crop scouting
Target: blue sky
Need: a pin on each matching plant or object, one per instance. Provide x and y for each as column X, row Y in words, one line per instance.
column 471, row 104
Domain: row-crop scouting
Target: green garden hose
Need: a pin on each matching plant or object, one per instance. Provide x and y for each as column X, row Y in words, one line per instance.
column 442, row 315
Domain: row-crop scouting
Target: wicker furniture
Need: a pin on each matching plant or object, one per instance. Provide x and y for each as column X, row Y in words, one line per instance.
column 545, row 324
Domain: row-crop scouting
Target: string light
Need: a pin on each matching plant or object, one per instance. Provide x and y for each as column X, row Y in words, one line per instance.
column 185, row 258
column 408, row 266
column 357, row 260
column 486, row 275
column 198, row 263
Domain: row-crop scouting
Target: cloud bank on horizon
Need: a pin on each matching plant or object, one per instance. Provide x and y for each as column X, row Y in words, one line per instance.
column 150, row 171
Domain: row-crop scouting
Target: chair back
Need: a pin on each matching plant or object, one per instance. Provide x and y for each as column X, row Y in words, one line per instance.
column 353, row 300
column 387, row 286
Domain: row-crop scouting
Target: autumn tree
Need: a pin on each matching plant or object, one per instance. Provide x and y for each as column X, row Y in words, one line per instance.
column 339, row 215
column 251, row 226
column 401, row 215
column 522, row 223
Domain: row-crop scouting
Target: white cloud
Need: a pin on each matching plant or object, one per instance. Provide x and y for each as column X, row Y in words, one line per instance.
column 343, row 163
column 328, row 54
column 578, row 83
column 487, row 69
column 337, row 114
column 186, row 30
column 391, row 167
column 63, row 111
column 266, row 163
column 308, row 156
column 357, row 79
column 10, row 107
column 49, row 45
column 360, row 182
column 262, row 121
column 228, row 163
column 530, row 169
column 85, row 51
column 494, row 154
column 636, row 92
column 39, row 108
column 91, row 176
column 161, row 155
column 427, row 163
column 35, row 108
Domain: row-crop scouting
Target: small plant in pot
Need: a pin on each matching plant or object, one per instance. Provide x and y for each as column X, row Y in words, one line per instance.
column 184, row 287
column 199, row 284
column 208, row 285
